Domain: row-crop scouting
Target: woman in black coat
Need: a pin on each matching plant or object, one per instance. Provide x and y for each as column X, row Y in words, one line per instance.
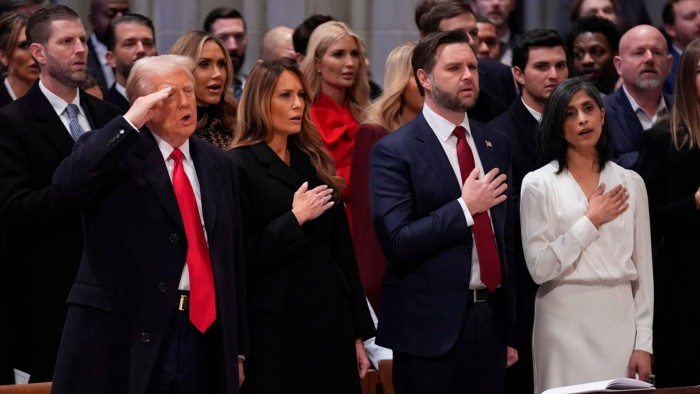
column 308, row 314
column 669, row 162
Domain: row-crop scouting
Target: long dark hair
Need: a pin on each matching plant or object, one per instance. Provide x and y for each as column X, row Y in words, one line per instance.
column 550, row 133
column 254, row 119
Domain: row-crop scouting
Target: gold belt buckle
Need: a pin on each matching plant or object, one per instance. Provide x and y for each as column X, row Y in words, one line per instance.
column 182, row 305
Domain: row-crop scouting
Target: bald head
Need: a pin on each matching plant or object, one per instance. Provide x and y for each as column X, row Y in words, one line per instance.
column 643, row 62
column 277, row 44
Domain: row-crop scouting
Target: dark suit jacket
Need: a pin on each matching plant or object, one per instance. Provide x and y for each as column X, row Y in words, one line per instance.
column 670, row 82
column 5, row 97
column 95, row 66
column 113, row 96
column 123, row 300
column 422, row 230
column 306, row 301
column 625, row 128
column 672, row 177
column 519, row 124
column 497, row 79
column 44, row 236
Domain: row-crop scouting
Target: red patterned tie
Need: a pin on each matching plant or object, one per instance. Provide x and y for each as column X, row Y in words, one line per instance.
column 489, row 262
column 202, row 298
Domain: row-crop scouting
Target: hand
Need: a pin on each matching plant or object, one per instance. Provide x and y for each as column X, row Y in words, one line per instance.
column 241, row 375
column 511, row 356
column 310, row 204
column 640, row 363
column 604, row 207
column 140, row 111
column 362, row 359
column 482, row 194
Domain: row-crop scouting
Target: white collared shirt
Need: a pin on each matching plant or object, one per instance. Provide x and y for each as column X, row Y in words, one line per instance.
column 535, row 114
column 188, row 167
column 443, row 128
column 121, row 89
column 59, row 105
column 642, row 115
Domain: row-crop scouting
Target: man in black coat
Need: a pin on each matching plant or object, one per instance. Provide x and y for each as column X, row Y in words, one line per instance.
column 45, row 240
column 539, row 65
column 158, row 305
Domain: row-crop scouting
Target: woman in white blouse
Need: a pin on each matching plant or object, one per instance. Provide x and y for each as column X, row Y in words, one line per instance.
column 585, row 230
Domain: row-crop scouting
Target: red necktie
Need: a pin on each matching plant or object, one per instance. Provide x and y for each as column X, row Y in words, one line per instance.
column 489, row 262
column 202, row 298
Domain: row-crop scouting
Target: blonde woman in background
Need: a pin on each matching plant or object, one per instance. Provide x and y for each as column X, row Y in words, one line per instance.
column 335, row 67
column 399, row 104
column 213, row 73
column 22, row 70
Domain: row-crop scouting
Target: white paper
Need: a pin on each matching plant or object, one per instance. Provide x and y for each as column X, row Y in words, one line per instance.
column 603, row 385
column 21, row 377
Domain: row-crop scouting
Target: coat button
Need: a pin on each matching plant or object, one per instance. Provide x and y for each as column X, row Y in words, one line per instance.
column 145, row 337
column 162, row 287
column 174, row 238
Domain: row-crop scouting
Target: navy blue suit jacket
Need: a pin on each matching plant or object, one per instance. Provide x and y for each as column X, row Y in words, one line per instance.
column 123, row 300
column 670, row 82
column 625, row 128
column 113, row 96
column 424, row 235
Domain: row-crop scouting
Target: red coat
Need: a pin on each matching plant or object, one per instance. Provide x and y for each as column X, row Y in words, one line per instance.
column 338, row 128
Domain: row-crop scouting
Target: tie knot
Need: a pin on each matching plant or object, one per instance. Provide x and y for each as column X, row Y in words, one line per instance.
column 72, row 111
column 176, row 155
column 460, row 132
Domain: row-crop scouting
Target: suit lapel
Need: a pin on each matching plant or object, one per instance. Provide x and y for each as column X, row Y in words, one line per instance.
column 276, row 168
column 527, row 126
column 429, row 147
column 47, row 123
column 148, row 159
column 627, row 119
column 209, row 182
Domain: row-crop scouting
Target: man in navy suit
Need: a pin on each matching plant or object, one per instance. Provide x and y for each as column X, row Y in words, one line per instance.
column 496, row 78
column 539, row 65
column 643, row 63
column 101, row 14
column 128, row 38
column 45, row 240
column 449, row 332
column 682, row 25
column 131, row 324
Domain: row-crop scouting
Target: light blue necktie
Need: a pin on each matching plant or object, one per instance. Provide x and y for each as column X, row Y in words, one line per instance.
column 75, row 130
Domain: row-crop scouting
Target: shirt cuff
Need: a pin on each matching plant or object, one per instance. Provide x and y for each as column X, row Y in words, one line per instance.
column 467, row 214
column 131, row 124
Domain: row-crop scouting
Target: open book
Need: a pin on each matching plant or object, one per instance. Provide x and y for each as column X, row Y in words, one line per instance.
column 603, row 385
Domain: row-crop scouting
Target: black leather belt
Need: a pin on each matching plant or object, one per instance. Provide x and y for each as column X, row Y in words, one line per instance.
column 183, row 303
column 481, row 295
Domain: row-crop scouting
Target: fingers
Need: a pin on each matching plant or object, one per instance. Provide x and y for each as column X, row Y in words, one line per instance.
column 303, row 188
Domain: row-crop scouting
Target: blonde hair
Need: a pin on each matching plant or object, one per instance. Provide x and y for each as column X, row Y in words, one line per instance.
column 386, row 110
column 254, row 119
column 190, row 44
column 685, row 113
column 319, row 42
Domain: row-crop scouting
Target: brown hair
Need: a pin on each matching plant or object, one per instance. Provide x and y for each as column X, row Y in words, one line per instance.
column 39, row 25
column 254, row 119
column 10, row 26
column 190, row 44
column 685, row 114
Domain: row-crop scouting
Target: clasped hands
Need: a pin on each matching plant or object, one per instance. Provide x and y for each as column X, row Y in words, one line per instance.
column 480, row 195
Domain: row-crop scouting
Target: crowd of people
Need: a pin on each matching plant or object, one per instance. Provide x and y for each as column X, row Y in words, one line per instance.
column 512, row 211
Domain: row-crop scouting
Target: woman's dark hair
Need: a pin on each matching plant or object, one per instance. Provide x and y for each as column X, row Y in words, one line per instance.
column 550, row 133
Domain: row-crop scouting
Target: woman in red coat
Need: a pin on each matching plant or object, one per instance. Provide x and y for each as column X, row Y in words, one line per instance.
column 336, row 70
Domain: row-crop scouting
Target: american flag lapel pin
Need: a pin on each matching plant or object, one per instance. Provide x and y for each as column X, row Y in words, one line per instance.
column 488, row 144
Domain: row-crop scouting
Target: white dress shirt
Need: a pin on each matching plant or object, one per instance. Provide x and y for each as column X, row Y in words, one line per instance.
column 59, row 105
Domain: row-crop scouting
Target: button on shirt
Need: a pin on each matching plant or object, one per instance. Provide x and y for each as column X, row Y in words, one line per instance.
column 188, row 166
column 59, row 105
column 442, row 128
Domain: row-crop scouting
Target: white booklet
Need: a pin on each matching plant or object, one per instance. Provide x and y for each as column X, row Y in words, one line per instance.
column 604, row 385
